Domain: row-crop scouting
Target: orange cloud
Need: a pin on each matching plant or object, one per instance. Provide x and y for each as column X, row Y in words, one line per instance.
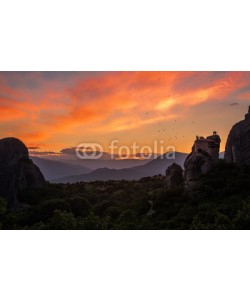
column 62, row 112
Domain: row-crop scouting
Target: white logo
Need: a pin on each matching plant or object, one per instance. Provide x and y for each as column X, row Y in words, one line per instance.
column 89, row 151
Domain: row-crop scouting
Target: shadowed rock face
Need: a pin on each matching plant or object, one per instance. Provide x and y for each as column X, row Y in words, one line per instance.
column 17, row 171
column 238, row 143
column 196, row 164
column 204, row 155
column 174, row 176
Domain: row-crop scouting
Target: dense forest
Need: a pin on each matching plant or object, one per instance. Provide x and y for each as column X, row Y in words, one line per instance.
column 221, row 200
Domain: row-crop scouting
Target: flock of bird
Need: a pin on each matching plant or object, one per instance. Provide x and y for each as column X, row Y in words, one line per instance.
column 174, row 135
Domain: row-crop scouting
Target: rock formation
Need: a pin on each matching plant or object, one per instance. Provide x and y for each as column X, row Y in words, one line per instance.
column 238, row 142
column 205, row 153
column 174, row 176
column 17, row 171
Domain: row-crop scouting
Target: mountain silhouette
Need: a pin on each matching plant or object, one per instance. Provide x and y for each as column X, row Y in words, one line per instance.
column 52, row 169
column 154, row 167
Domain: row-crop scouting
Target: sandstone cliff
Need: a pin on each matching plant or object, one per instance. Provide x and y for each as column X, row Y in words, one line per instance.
column 174, row 176
column 17, row 171
column 205, row 153
column 196, row 164
column 238, row 142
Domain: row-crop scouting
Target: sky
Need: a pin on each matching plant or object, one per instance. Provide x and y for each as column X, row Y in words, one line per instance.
column 51, row 111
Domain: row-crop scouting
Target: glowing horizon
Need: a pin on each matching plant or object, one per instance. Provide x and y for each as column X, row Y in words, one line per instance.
column 50, row 111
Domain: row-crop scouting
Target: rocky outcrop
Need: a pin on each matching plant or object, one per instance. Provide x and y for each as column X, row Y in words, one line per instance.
column 204, row 155
column 238, row 142
column 196, row 164
column 17, row 171
column 174, row 176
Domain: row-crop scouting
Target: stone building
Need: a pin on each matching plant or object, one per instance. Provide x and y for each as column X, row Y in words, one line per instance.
column 210, row 145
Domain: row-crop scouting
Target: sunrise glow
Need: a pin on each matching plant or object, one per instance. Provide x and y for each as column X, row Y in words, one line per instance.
column 51, row 111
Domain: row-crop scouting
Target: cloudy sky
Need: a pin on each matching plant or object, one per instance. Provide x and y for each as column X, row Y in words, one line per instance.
column 50, row 111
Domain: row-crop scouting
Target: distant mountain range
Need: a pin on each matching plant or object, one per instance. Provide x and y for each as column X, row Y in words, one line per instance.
column 52, row 169
column 154, row 167
column 94, row 164
column 69, row 172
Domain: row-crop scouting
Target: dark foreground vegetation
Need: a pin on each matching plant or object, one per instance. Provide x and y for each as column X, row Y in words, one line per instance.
column 221, row 201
